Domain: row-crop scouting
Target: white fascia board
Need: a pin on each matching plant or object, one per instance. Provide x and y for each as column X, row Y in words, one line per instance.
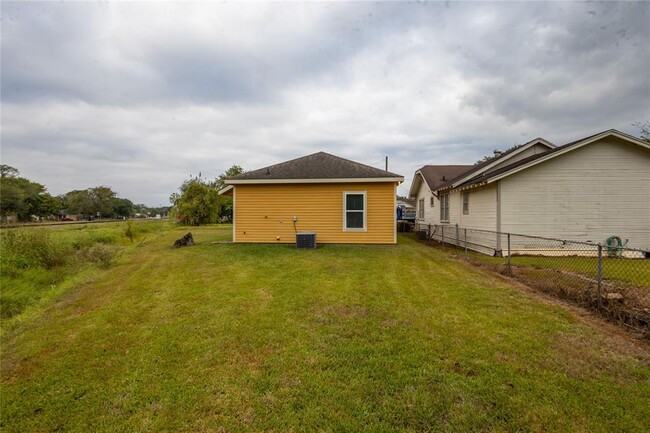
column 286, row 181
column 417, row 174
column 500, row 160
column 593, row 139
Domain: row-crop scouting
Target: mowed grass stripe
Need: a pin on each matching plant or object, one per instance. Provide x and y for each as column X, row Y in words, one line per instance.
column 228, row 337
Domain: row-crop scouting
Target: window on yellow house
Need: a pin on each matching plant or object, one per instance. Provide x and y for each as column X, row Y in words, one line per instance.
column 354, row 211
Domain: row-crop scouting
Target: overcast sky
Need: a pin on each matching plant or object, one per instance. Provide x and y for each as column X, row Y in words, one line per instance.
column 139, row 96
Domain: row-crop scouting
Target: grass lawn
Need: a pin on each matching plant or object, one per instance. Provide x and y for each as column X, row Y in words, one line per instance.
column 635, row 272
column 225, row 337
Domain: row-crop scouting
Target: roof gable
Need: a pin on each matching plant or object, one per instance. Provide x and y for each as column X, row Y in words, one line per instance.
column 319, row 166
column 435, row 176
column 493, row 163
column 553, row 153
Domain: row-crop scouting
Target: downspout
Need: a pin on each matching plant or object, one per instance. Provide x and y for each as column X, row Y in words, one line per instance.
column 234, row 213
column 394, row 209
column 498, row 246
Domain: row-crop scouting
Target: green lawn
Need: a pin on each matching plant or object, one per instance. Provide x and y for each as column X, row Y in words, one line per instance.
column 225, row 337
column 626, row 271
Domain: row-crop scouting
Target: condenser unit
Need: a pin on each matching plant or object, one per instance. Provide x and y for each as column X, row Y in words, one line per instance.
column 306, row 240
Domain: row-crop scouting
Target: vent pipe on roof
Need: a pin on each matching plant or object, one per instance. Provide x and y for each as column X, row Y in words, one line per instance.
column 497, row 152
column 268, row 172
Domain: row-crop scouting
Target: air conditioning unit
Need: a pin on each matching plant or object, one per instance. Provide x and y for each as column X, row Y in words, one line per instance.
column 305, row 240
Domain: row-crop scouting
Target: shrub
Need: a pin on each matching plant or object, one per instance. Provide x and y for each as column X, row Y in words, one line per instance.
column 100, row 254
column 129, row 232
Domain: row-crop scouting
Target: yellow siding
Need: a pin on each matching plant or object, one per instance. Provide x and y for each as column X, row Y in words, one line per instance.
column 264, row 212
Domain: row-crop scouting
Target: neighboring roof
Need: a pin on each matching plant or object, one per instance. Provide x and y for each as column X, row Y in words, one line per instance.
column 319, row 166
column 536, row 159
column 435, row 176
column 485, row 166
column 442, row 176
column 407, row 200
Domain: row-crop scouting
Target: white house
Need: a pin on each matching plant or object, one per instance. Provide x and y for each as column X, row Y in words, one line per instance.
column 586, row 190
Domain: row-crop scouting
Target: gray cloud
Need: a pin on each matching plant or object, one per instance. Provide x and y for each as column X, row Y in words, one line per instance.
column 140, row 96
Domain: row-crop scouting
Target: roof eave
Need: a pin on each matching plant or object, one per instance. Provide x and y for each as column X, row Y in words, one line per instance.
column 497, row 161
column 226, row 190
column 578, row 145
column 399, row 179
column 412, row 191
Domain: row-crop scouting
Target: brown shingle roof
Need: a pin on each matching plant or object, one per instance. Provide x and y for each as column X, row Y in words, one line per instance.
column 438, row 175
column 319, row 165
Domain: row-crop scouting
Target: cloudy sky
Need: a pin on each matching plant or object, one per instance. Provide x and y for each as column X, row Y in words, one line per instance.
column 139, row 96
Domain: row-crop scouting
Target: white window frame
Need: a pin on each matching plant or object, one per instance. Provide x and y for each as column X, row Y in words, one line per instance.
column 421, row 208
column 444, row 207
column 465, row 202
column 365, row 211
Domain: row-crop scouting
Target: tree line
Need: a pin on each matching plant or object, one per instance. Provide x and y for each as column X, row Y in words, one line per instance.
column 197, row 201
column 28, row 200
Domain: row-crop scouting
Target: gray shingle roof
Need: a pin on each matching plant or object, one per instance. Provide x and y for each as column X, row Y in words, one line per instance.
column 319, row 165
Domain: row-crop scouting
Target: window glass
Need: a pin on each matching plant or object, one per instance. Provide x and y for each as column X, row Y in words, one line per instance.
column 354, row 220
column 444, row 207
column 354, row 202
column 354, row 217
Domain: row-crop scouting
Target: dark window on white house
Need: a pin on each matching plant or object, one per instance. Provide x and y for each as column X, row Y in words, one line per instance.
column 432, row 201
column 444, row 207
column 466, row 203
column 421, row 209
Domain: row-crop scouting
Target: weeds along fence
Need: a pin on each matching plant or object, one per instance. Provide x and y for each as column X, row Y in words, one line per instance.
column 607, row 277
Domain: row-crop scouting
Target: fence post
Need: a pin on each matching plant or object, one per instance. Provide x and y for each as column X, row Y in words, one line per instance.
column 457, row 237
column 465, row 241
column 442, row 231
column 509, row 268
column 600, row 275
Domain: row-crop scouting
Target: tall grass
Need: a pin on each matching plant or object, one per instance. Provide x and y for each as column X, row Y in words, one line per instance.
column 35, row 261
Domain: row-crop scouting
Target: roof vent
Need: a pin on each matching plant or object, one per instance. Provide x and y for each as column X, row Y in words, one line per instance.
column 444, row 178
column 497, row 152
column 268, row 172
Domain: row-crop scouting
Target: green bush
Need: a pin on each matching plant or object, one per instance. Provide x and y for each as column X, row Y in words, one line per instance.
column 129, row 232
column 101, row 255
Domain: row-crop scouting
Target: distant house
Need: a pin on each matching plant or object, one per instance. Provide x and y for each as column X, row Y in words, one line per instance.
column 65, row 215
column 342, row 201
column 406, row 209
column 586, row 190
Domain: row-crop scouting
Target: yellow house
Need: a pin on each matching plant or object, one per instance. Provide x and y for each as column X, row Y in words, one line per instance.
column 339, row 200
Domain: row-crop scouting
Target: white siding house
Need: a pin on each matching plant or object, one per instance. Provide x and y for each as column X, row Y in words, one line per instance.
column 586, row 190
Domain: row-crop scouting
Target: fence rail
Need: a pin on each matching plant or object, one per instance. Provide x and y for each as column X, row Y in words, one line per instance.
column 608, row 277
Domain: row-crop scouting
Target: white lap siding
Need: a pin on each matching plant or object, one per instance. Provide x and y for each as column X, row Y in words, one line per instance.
column 482, row 208
column 588, row 194
column 431, row 215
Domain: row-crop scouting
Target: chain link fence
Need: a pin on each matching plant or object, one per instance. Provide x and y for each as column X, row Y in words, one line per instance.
column 606, row 277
